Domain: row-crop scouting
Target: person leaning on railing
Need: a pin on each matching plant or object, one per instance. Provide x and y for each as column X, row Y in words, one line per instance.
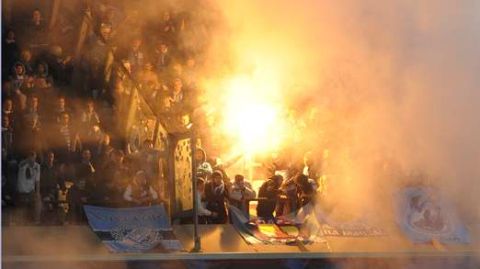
column 268, row 196
column 241, row 192
column 139, row 192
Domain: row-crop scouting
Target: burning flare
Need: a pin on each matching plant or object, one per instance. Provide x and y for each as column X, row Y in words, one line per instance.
column 251, row 116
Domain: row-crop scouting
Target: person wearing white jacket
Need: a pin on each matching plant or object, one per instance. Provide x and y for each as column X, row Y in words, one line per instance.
column 28, row 187
column 201, row 206
column 241, row 192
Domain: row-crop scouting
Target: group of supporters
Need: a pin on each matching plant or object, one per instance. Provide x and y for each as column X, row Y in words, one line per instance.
column 285, row 191
column 66, row 89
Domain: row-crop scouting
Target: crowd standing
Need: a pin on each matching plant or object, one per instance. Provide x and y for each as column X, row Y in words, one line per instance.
column 63, row 94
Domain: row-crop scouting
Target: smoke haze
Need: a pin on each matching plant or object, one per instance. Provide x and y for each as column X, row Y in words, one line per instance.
column 392, row 80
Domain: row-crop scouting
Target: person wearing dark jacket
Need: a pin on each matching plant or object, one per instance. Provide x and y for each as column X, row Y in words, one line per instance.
column 268, row 197
column 216, row 194
column 305, row 189
column 10, row 53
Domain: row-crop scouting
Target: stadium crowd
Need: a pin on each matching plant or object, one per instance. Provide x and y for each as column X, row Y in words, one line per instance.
column 63, row 96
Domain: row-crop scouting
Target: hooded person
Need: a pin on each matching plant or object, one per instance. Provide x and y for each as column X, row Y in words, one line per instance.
column 204, row 169
column 268, row 197
column 306, row 189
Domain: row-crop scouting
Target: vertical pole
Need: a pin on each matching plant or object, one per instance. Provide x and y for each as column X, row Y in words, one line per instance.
column 196, row 238
column 78, row 77
column 82, row 35
column 171, row 144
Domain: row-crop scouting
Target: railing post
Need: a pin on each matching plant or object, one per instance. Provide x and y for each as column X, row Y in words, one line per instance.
column 196, row 238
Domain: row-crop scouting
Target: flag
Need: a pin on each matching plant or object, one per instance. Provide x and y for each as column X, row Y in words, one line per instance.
column 424, row 215
column 137, row 229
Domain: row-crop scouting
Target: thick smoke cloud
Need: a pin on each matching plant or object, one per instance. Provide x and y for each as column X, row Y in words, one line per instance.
column 390, row 79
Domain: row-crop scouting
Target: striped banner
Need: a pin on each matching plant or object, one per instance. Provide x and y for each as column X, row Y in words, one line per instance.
column 138, row 229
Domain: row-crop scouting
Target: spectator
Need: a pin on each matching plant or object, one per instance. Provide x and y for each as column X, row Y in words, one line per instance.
column 311, row 168
column 241, row 192
column 167, row 25
column 190, row 72
column 57, row 109
column 85, row 173
column 162, row 57
column 290, row 189
column 95, row 61
column 148, row 159
column 92, row 137
column 79, row 192
column 215, row 195
column 139, row 192
column 49, row 185
column 268, row 195
column 177, row 96
column 29, row 87
column 135, row 55
column 204, row 214
column 7, row 109
column 42, row 77
column 49, row 175
column 176, row 71
column 305, row 189
column 29, row 132
column 28, row 188
column 60, row 66
column 204, row 169
column 103, row 151
column 7, row 138
column 106, row 32
column 115, row 177
column 148, row 80
column 9, row 162
column 108, row 17
column 26, row 59
column 18, row 77
column 89, row 117
column 66, row 141
column 10, row 53
column 37, row 24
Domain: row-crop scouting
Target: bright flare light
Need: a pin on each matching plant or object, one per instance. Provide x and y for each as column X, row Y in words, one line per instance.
column 252, row 117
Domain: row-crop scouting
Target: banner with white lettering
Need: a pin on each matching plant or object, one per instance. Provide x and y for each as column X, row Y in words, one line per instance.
column 137, row 229
column 351, row 229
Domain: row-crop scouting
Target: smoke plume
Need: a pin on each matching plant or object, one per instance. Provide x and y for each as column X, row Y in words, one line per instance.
column 389, row 80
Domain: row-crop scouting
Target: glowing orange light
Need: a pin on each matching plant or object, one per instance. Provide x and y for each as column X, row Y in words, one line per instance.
column 251, row 118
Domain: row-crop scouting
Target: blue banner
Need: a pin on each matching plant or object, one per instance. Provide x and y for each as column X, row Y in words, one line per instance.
column 424, row 215
column 137, row 229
